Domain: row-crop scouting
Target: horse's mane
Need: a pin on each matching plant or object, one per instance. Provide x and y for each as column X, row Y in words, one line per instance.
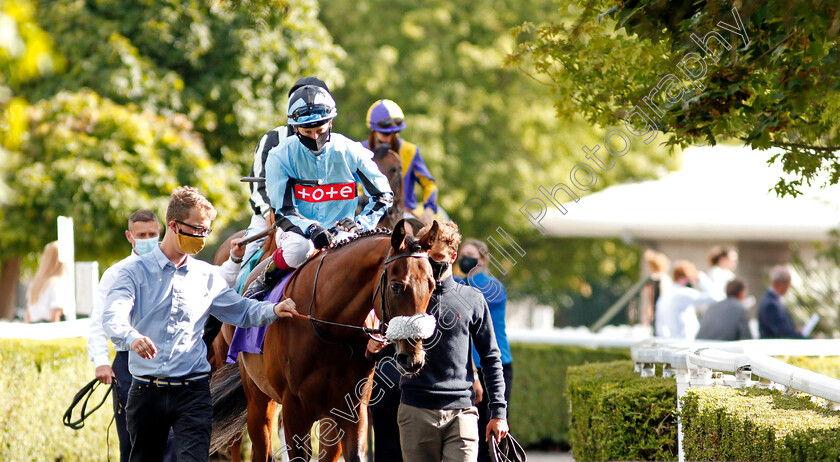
column 356, row 237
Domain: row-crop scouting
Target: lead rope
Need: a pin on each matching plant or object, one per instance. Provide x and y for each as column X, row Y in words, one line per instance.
column 85, row 394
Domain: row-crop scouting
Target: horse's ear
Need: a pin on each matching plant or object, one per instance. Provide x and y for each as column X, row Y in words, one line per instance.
column 430, row 236
column 398, row 236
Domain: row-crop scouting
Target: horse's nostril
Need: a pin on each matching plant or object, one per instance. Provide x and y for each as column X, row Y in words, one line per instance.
column 402, row 358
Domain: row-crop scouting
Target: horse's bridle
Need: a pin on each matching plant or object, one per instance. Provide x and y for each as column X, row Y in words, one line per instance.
column 383, row 304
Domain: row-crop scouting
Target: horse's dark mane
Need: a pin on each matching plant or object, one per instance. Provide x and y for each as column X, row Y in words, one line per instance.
column 354, row 238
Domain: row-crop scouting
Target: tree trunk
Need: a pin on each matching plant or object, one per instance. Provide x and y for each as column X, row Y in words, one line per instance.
column 9, row 276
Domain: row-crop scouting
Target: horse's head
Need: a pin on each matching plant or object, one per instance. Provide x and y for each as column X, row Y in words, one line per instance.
column 407, row 287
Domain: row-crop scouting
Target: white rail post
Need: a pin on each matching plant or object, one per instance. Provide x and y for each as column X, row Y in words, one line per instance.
column 683, row 378
column 67, row 255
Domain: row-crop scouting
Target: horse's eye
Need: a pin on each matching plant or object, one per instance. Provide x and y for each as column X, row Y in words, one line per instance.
column 396, row 287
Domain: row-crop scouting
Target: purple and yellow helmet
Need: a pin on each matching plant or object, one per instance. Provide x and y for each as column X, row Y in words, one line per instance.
column 385, row 116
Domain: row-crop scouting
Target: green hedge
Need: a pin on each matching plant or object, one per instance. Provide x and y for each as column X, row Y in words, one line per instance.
column 37, row 384
column 751, row 424
column 618, row 415
column 539, row 404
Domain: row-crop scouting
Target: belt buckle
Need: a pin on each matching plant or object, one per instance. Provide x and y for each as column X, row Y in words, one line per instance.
column 156, row 382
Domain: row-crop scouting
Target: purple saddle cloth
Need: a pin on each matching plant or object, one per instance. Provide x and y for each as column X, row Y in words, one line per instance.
column 250, row 339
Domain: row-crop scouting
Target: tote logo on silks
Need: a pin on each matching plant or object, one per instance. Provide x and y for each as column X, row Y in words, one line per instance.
column 327, row 192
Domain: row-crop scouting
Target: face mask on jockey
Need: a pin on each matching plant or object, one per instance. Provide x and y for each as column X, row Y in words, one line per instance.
column 315, row 145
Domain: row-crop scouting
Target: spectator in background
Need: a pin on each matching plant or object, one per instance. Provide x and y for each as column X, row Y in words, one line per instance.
column 658, row 266
column 723, row 261
column 727, row 319
column 474, row 266
column 50, row 290
column 676, row 314
column 773, row 318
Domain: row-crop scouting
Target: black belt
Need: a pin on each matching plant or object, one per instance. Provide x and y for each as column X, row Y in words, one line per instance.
column 172, row 381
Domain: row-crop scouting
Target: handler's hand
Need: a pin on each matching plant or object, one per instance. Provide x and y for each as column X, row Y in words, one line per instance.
column 374, row 347
column 144, row 347
column 479, row 391
column 285, row 309
column 104, row 374
column 497, row 426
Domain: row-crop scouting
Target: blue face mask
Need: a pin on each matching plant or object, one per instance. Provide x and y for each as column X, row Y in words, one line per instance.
column 144, row 246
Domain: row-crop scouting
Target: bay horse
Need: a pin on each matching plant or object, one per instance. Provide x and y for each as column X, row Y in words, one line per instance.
column 390, row 164
column 218, row 350
column 318, row 371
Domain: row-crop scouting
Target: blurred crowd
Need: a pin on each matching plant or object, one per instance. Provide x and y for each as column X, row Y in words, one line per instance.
column 684, row 303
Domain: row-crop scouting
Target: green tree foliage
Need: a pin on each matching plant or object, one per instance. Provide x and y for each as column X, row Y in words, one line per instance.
column 94, row 160
column 488, row 132
column 227, row 65
column 769, row 78
column 26, row 53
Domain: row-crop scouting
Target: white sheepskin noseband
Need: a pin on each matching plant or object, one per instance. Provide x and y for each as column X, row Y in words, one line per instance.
column 418, row 326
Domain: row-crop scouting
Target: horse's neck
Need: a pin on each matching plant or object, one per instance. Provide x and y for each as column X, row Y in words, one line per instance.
column 351, row 277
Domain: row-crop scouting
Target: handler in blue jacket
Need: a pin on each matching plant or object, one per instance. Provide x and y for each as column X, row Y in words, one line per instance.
column 437, row 418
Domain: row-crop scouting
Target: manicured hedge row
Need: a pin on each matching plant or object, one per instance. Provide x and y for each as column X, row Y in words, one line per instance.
column 38, row 380
column 539, row 408
column 617, row 415
column 760, row 425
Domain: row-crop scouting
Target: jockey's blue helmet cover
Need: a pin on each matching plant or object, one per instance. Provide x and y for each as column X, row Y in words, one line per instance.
column 310, row 106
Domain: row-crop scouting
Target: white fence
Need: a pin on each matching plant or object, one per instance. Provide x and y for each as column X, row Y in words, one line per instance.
column 692, row 365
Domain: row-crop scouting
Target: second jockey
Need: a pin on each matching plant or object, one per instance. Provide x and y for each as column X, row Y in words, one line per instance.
column 311, row 183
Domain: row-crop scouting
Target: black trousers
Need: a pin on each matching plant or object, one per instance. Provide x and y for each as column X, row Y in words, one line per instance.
column 386, row 432
column 484, row 411
column 120, row 367
column 153, row 410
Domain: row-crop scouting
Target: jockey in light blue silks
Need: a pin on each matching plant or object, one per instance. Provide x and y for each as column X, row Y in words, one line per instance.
column 311, row 182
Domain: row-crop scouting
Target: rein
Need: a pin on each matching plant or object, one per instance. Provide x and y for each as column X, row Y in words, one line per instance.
column 85, row 394
column 367, row 330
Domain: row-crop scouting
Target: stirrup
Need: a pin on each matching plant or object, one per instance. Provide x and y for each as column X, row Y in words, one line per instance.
column 264, row 283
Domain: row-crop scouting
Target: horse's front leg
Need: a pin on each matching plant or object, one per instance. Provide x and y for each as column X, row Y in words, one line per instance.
column 297, row 425
column 354, row 439
column 260, row 412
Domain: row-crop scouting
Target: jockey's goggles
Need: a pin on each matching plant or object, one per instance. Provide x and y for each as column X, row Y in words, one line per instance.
column 200, row 231
column 390, row 122
column 311, row 114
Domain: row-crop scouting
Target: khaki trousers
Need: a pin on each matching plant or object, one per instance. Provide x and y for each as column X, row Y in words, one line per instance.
column 438, row 435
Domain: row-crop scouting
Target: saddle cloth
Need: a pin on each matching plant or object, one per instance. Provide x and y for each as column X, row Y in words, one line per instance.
column 250, row 339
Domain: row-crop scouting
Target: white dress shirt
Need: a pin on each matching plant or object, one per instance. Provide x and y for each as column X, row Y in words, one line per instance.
column 97, row 338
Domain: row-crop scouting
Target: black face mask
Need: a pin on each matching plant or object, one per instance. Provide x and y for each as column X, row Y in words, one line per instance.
column 315, row 145
column 467, row 264
column 438, row 268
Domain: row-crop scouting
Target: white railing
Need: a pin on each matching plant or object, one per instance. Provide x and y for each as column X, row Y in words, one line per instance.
column 692, row 365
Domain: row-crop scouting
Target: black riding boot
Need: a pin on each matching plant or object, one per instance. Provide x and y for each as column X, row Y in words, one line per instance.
column 266, row 281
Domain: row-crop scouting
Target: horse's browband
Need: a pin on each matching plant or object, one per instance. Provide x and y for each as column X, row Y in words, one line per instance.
column 407, row 255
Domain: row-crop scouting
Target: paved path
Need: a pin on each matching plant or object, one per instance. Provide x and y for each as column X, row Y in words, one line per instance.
column 550, row 457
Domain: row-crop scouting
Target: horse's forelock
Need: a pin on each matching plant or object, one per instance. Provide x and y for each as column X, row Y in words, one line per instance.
column 413, row 244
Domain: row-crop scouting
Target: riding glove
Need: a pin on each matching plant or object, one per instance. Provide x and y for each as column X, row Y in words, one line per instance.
column 349, row 225
column 320, row 236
